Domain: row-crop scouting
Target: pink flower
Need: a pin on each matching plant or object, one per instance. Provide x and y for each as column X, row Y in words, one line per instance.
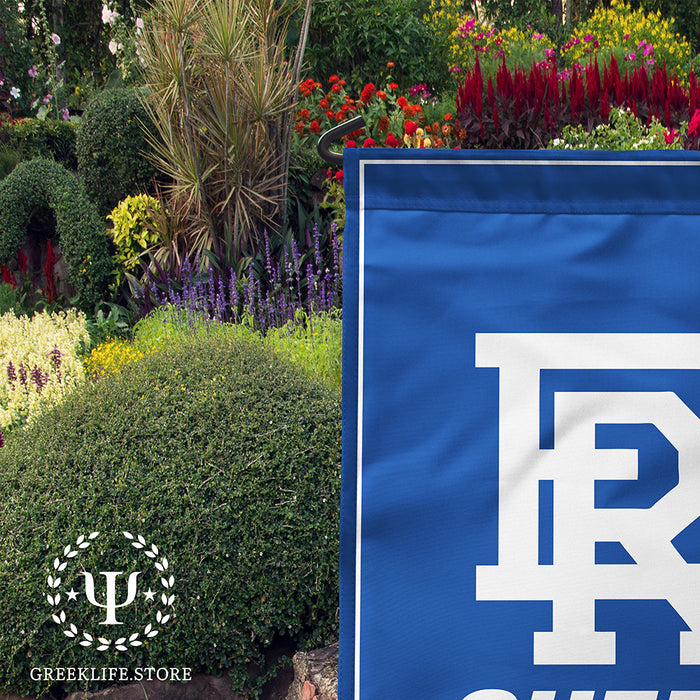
column 47, row 98
column 670, row 136
column 32, row 72
column 56, row 39
column 65, row 114
column 648, row 50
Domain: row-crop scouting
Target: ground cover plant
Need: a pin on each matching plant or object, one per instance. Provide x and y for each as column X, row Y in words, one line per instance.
column 229, row 459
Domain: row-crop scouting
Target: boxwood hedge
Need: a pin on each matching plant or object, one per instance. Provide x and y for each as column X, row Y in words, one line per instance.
column 225, row 460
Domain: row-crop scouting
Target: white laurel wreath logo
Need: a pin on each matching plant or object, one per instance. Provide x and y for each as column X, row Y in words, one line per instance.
column 122, row 643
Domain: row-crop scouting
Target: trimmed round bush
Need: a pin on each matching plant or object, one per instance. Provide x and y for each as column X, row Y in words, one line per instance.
column 40, row 184
column 214, row 450
column 111, row 144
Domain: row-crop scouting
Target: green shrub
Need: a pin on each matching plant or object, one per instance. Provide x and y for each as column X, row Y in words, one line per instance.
column 214, row 450
column 111, row 144
column 48, row 138
column 40, row 184
column 356, row 39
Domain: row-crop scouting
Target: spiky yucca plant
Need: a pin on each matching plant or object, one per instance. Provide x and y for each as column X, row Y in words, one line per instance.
column 220, row 89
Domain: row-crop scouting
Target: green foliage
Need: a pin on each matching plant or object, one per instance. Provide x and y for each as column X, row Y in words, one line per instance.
column 133, row 230
column 39, row 185
column 356, row 39
column 227, row 459
column 47, row 138
column 623, row 132
column 112, row 148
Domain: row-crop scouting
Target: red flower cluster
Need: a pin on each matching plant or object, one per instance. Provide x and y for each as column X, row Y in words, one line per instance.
column 367, row 92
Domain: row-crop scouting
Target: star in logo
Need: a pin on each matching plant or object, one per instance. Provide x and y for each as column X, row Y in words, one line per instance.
column 149, row 594
column 72, row 594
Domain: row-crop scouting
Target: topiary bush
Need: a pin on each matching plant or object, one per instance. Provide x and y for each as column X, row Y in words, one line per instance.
column 41, row 184
column 111, row 144
column 220, row 454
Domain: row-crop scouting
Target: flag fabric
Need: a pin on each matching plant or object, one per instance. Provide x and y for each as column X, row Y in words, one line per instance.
column 521, row 432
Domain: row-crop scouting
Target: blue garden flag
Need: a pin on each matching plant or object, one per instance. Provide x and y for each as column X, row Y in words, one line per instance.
column 521, row 402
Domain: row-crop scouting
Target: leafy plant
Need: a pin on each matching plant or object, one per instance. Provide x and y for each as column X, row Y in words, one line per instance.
column 228, row 458
column 48, row 138
column 623, row 132
column 133, row 231
column 220, row 88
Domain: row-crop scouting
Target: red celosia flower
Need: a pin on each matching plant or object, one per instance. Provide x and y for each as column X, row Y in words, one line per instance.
column 391, row 141
column 369, row 143
column 670, row 136
column 339, row 177
column 8, row 277
column 333, row 79
column 315, row 127
column 694, row 126
column 350, row 144
column 410, row 127
column 22, row 261
column 367, row 92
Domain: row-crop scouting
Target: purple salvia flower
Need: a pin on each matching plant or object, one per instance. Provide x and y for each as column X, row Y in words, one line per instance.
column 39, row 378
column 22, row 374
column 11, row 374
column 220, row 300
column 317, row 247
column 233, row 295
column 2, row 439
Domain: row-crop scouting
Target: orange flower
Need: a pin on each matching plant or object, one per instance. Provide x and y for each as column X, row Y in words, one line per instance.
column 448, row 116
column 381, row 94
column 402, row 101
column 390, row 64
column 323, row 104
column 333, row 79
column 336, row 89
column 315, row 127
column 393, row 86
